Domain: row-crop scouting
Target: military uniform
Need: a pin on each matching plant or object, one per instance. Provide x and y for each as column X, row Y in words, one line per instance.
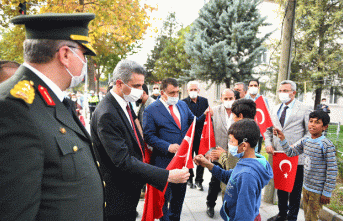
column 48, row 169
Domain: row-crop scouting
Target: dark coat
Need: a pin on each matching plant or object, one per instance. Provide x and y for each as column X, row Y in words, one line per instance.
column 47, row 166
column 202, row 105
column 121, row 158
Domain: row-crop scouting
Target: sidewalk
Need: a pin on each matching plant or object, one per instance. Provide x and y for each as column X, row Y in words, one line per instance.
column 194, row 207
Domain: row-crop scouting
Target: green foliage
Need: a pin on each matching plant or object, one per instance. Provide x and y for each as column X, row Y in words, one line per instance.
column 163, row 41
column 223, row 42
column 174, row 61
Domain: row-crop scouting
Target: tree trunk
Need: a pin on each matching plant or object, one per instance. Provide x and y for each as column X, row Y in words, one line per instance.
column 227, row 82
column 318, row 97
column 91, row 72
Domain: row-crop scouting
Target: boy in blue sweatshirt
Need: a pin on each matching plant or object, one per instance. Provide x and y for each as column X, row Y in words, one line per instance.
column 320, row 169
column 242, row 198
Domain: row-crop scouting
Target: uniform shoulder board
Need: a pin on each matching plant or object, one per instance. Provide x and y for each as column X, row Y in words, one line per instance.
column 24, row 90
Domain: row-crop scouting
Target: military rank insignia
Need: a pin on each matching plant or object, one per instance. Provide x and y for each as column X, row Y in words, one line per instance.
column 24, row 90
column 46, row 96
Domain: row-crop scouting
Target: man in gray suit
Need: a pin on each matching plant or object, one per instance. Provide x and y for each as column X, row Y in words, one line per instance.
column 291, row 116
column 222, row 121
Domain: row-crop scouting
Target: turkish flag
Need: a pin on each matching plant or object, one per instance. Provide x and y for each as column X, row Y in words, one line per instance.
column 262, row 116
column 284, row 169
column 147, row 153
column 207, row 137
column 154, row 199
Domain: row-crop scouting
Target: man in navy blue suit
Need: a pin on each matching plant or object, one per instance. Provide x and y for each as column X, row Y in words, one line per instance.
column 165, row 123
column 197, row 105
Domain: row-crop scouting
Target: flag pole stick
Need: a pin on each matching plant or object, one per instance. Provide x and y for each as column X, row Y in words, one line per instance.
column 190, row 143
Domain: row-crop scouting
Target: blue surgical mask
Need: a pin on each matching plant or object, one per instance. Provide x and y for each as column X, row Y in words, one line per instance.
column 234, row 149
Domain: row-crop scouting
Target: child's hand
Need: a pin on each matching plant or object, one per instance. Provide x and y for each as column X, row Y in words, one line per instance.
column 215, row 154
column 278, row 133
column 202, row 161
column 324, row 199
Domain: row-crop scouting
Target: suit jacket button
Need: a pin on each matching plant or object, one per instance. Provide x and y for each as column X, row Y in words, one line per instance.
column 97, row 163
column 63, row 130
column 75, row 148
column 104, row 183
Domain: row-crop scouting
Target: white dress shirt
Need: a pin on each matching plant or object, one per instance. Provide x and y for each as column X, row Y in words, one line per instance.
column 175, row 109
column 122, row 104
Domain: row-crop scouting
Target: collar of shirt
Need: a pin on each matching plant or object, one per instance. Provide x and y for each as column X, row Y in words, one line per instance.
column 249, row 97
column 55, row 89
column 122, row 104
column 175, row 109
column 289, row 110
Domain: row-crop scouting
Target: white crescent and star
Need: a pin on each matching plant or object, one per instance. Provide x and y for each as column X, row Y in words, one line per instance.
column 290, row 166
column 262, row 114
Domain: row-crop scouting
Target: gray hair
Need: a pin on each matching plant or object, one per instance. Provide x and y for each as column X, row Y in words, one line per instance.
column 42, row 51
column 245, row 87
column 225, row 90
column 292, row 83
column 124, row 70
column 192, row 82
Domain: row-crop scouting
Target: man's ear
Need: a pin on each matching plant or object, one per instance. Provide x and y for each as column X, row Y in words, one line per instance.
column 240, row 116
column 63, row 55
column 325, row 127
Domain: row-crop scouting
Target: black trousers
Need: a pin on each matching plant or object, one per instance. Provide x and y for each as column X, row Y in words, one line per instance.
column 213, row 189
column 289, row 203
column 199, row 174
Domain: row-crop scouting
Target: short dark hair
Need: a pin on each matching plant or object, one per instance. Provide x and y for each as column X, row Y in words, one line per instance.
column 168, row 81
column 323, row 98
column 320, row 115
column 245, row 129
column 246, row 107
column 237, row 95
column 258, row 83
column 145, row 88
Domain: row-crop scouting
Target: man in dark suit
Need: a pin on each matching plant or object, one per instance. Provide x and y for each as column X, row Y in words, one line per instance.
column 198, row 106
column 165, row 124
column 120, row 145
column 48, row 169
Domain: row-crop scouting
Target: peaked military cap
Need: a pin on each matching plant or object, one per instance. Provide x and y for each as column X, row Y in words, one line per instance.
column 58, row 26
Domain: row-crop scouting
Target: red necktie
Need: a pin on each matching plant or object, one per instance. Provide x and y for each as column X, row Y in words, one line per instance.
column 174, row 116
column 134, row 130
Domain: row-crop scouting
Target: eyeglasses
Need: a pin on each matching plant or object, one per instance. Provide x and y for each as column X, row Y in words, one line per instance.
column 284, row 91
column 69, row 46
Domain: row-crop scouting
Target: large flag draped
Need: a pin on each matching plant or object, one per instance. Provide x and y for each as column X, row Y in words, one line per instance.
column 207, row 137
column 154, row 199
column 284, row 169
column 262, row 116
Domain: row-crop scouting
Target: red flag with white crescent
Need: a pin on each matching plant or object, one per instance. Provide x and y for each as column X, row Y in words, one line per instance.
column 262, row 116
column 285, row 170
column 154, row 199
column 207, row 137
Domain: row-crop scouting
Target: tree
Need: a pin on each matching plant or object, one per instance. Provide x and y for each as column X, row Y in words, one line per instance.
column 118, row 27
column 174, row 61
column 168, row 31
column 223, row 41
column 317, row 54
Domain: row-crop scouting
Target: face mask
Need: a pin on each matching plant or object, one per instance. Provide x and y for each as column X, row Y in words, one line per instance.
column 75, row 80
column 193, row 94
column 253, row 90
column 74, row 99
column 172, row 100
column 234, row 149
column 134, row 95
column 324, row 102
column 284, row 97
column 156, row 91
column 228, row 104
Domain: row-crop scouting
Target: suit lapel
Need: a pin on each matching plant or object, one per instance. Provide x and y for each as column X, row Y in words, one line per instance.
column 294, row 112
column 122, row 115
column 182, row 114
column 163, row 110
column 275, row 118
column 223, row 114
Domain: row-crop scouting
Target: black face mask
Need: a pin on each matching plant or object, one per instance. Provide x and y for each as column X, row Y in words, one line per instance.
column 139, row 101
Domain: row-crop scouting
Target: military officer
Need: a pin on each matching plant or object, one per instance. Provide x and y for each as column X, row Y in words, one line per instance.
column 48, row 169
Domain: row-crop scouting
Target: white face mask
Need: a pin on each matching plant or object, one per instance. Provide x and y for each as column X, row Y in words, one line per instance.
column 284, row 97
column 156, row 91
column 228, row 104
column 134, row 95
column 172, row 100
column 75, row 80
column 253, row 90
column 193, row 94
